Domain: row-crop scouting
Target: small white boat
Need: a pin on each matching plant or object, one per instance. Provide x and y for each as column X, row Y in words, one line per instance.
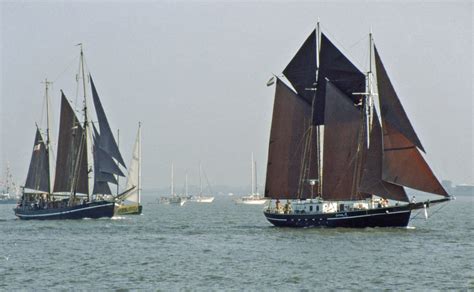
column 254, row 198
column 202, row 199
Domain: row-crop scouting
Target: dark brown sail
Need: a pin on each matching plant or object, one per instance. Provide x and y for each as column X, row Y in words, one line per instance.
column 342, row 122
column 71, row 163
column 372, row 162
column 404, row 165
column 333, row 65
column 291, row 120
column 390, row 106
column 38, row 173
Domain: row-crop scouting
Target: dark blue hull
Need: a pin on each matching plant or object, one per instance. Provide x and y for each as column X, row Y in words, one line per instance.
column 381, row 217
column 92, row 210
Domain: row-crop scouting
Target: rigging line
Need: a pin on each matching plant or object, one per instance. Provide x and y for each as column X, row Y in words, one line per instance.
column 344, row 49
column 207, row 180
column 439, row 209
column 68, row 67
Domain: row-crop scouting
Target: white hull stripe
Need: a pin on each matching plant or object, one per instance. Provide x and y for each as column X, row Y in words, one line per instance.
column 348, row 217
column 64, row 212
column 276, row 219
column 367, row 215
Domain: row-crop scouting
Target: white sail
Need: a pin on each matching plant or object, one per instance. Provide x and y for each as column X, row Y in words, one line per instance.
column 134, row 171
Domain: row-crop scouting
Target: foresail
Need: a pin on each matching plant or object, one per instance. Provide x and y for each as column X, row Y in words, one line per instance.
column 391, row 108
column 104, row 166
column 107, row 140
column 342, row 122
column 38, row 172
column 333, row 65
column 404, row 165
column 290, row 124
column 134, row 172
column 372, row 162
column 71, row 163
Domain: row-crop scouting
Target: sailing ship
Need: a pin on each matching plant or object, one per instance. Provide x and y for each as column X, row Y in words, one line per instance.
column 335, row 157
column 10, row 191
column 130, row 203
column 201, row 198
column 86, row 163
column 254, row 198
column 173, row 198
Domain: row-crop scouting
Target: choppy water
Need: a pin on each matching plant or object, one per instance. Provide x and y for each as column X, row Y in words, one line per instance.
column 223, row 246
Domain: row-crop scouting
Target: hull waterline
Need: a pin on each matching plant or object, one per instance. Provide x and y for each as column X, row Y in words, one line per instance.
column 92, row 210
column 392, row 216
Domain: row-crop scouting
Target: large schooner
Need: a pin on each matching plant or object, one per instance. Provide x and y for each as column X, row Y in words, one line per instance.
column 335, row 159
column 87, row 161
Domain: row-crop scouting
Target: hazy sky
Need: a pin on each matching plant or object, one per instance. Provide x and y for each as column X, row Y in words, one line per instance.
column 194, row 73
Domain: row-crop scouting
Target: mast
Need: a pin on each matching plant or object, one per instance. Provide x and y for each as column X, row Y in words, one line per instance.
column 366, row 124
column 118, row 144
column 319, row 129
column 200, row 179
column 139, row 162
column 186, row 184
column 172, row 179
column 253, row 176
column 306, row 165
column 86, row 128
column 48, row 136
column 255, row 171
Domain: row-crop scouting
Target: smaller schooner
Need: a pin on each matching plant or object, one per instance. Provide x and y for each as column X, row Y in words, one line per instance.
column 334, row 157
column 86, row 162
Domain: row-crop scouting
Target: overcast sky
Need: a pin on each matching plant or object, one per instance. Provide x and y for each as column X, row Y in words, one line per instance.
column 194, row 73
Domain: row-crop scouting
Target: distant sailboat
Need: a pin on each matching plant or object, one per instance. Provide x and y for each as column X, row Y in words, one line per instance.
column 10, row 191
column 173, row 198
column 200, row 198
column 333, row 156
column 85, row 165
column 254, row 198
column 130, row 204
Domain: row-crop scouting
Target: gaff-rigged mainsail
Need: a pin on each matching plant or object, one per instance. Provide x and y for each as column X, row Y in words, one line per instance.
column 71, row 164
column 291, row 119
column 38, row 172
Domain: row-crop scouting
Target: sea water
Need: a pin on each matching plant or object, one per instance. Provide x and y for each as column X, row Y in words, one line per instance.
column 224, row 246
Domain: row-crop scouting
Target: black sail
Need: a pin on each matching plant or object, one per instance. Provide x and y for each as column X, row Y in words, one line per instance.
column 102, row 162
column 333, row 65
column 342, row 122
column 290, row 122
column 372, row 164
column 404, row 165
column 107, row 140
column 71, row 163
column 391, row 108
column 38, row 173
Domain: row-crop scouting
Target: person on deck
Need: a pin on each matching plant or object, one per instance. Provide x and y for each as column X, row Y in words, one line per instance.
column 277, row 205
